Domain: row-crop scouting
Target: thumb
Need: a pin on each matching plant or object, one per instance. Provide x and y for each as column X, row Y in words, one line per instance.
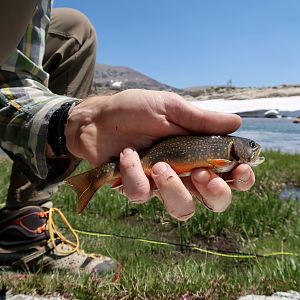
column 184, row 114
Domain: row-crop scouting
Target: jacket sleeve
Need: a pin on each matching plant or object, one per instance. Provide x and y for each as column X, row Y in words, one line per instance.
column 24, row 119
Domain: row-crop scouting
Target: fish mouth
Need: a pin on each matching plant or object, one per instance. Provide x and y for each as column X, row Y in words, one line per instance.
column 255, row 158
column 259, row 160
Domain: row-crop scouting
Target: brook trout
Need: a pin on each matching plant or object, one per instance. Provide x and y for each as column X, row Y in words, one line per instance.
column 183, row 153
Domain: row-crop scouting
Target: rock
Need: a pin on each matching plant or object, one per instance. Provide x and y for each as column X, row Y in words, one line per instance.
column 235, row 93
column 291, row 295
column 10, row 296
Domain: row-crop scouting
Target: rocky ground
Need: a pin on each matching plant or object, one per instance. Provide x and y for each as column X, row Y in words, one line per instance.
column 291, row 295
column 223, row 92
column 236, row 93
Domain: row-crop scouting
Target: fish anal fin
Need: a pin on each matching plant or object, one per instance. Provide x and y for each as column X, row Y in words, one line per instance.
column 85, row 198
column 85, row 185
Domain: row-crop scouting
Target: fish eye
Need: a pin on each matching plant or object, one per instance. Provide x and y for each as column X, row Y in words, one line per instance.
column 252, row 144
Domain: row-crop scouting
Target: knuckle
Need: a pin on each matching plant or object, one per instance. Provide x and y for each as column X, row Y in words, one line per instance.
column 129, row 162
column 139, row 193
column 172, row 95
column 169, row 180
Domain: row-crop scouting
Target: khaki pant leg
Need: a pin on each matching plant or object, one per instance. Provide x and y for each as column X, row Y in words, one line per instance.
column 70, row 53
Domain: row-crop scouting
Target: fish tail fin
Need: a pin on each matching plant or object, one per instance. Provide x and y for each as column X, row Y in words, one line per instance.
column 85, row 189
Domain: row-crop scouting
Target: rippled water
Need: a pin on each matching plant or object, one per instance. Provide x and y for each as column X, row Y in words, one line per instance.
column 290, row 193
column 275, row 134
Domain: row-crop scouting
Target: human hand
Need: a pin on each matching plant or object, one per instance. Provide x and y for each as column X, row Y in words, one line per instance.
column 99, row 128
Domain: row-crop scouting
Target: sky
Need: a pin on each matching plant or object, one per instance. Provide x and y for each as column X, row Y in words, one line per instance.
column 199, row 42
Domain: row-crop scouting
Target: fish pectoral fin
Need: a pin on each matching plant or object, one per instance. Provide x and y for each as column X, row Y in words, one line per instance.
column 222, row 165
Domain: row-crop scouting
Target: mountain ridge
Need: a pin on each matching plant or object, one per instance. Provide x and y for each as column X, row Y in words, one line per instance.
column 110, row 79
column 124, row 78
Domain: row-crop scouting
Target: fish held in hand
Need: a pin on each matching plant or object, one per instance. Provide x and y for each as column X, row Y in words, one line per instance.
column 183, row 153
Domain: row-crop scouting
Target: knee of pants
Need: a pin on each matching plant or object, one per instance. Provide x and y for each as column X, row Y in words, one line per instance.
column 72, row 23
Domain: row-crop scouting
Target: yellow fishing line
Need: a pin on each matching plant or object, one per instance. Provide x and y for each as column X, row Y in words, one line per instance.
column 281, row 253
column 215, row 253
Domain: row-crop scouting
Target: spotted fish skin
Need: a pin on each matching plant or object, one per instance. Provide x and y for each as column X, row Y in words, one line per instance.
column 189, row 150
column 183, row 153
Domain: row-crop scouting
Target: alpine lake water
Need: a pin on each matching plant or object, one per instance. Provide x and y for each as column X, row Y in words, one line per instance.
column 274, row 134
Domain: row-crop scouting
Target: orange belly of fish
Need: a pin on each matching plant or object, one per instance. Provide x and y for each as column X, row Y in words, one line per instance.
column 180, row 168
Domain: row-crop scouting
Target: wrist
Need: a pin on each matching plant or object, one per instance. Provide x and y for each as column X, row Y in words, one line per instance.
column 80, row 141
column 56, row 137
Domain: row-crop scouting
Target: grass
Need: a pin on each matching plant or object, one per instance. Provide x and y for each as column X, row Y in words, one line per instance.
column 256, row 222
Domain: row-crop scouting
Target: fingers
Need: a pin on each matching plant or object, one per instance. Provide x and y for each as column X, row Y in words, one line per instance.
column 215, row 191
column 136, row 185
column 242, row 178
column 175, row 196
column 175, row 192
column 195, row 119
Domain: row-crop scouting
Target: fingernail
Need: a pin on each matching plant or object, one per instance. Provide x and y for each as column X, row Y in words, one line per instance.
column 159, row 168
column 127, row 151
column 202, row 176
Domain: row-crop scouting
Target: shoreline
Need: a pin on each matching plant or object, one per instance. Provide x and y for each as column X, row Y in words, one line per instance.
column 286, row 106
